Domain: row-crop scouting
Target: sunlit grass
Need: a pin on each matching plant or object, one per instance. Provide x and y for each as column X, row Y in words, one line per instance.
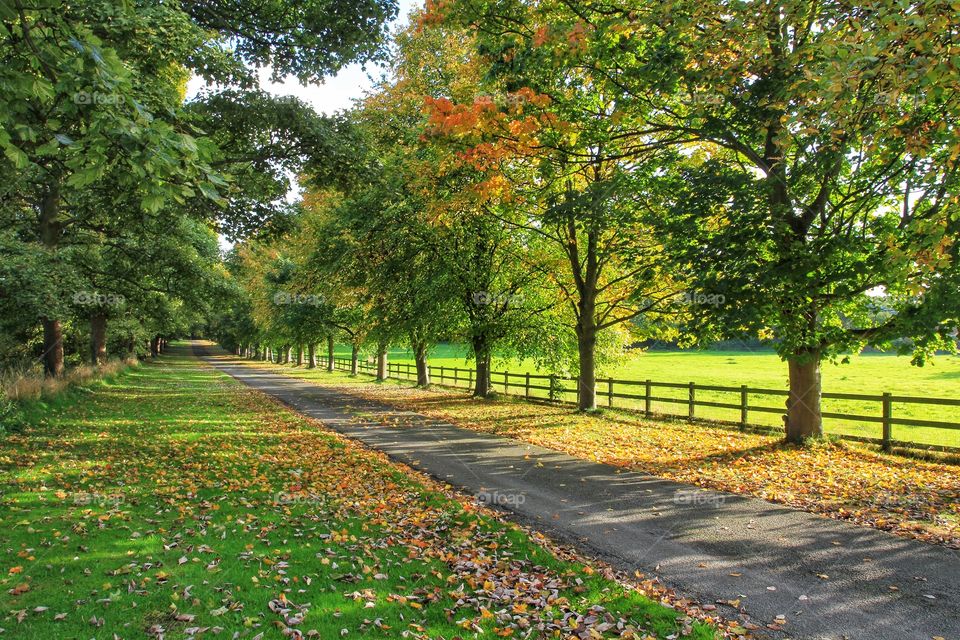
column 171, row 499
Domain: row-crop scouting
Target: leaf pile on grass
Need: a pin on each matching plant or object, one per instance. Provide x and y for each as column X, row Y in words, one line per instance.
column 173, row 503
column 905, row 496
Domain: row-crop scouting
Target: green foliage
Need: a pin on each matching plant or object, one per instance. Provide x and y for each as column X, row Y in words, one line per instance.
column 112, row 182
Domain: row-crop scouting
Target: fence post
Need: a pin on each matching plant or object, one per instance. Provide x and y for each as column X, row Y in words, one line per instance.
column 692, row 397
column 609, row 392
column 526, row 386
column 469, row 378
column 553, row 386
column 743, row 406
column 456, row 376
column 887, row 421
column 646, row 399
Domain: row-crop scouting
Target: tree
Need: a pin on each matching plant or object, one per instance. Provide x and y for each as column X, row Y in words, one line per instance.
column 94, row 90
column 561, row 147
column 459, row 271
column 822, row 148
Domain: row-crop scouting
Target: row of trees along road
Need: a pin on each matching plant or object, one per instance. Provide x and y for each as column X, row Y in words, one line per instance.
column 114, row 185
column 551, row 179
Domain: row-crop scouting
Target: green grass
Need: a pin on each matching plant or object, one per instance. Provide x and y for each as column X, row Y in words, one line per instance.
column 871, row 374
column 170, row 497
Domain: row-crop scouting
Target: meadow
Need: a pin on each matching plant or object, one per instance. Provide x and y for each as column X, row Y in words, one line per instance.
column 869, row 373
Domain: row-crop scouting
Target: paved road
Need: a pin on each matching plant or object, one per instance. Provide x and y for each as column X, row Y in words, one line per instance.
column 829, row 579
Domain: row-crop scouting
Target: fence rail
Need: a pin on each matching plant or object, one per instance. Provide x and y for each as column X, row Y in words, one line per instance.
column 645, row 393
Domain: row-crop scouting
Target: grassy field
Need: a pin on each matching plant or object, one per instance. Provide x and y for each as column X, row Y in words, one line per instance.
column 870, row 374
column 170, row 502
column 909, row 497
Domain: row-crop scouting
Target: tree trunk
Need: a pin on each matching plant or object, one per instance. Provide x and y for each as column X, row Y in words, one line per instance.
column 285, row 352
column 330, row 345
column 155, row 346
column 587, row 347
column 98, row 339
column 311, row 355
column 423, row 371
column 52, row 347
column 481, row 351
column 299, row 355
column 354, row 358
column 382, row 371
column 804, row 419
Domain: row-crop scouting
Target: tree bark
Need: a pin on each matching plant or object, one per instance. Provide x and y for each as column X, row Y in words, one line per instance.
column 311, row 355
column 586, row 278
column 804, row 418
column 382, row 370
column 299, row 355
column 587, row 347
column 52, row 347
column 285, row 353
column 482, row 351
column 155, row 346
column 420, row 357
column 330, row 345
column 354, row 359
column 98, row 338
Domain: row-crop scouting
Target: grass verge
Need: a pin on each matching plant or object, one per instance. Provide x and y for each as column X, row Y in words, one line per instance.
column 26, row 397
column 171, row 502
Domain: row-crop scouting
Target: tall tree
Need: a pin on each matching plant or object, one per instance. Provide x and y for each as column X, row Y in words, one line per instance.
column 94, row 90
column 823, row 144
column 561, row 146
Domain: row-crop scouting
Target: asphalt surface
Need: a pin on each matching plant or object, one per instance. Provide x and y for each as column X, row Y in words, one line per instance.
column 829, row 579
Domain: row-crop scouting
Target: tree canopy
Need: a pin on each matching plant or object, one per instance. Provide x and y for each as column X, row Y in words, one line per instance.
column 545, row 179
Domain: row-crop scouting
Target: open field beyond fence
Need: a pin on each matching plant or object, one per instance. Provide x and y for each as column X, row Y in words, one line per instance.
column 877, row 397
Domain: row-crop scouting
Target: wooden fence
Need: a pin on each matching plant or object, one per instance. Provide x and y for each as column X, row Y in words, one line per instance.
column 640, row 395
